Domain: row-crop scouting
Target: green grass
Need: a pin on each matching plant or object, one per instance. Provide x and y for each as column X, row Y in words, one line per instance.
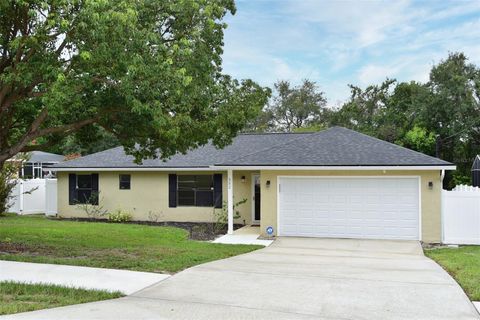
column 22, row 297
column 106, row 245
column 463, row 264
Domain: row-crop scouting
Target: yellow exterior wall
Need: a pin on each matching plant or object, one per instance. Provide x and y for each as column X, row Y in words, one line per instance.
column 241, row 190
column 149, row 194
column 430, row 198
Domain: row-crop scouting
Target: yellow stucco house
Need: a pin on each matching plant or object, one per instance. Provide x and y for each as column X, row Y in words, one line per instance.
column 333, row 183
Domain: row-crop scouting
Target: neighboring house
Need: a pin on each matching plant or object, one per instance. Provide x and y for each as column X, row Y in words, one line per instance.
column 476, row 171
column 334, row 183
column 37, row 163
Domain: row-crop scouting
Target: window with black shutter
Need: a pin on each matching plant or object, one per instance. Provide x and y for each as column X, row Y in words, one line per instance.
column 195, row 190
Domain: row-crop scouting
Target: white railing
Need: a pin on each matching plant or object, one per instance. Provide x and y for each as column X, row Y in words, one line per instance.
column 461, row 215
column 34, row 196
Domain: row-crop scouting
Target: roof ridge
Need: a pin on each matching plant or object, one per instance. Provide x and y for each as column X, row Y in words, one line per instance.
column 276, row 145
column 273, row 133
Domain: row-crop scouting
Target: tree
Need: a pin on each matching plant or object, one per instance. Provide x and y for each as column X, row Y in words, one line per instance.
column 87, row 140
column 440, row 117
column 454, row 113
column 296, row 107
column 148, row 72
column 264, row 122
column 419, row 139
column 454, row 109
column 365, row 110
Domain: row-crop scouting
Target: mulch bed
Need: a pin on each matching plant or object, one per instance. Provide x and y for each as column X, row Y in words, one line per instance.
column 203, row 231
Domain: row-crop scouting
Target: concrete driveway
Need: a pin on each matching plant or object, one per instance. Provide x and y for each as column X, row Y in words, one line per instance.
column 296, row 278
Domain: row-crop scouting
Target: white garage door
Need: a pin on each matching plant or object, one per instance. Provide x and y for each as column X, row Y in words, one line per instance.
column 372, row 208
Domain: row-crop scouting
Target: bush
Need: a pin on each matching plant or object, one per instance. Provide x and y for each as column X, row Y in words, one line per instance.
column 7, row 182
column 93, row 207
column 220, row 217
column 120, row 216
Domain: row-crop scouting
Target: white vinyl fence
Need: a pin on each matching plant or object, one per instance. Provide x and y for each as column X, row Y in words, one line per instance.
column 34, row 196
column 461, row 215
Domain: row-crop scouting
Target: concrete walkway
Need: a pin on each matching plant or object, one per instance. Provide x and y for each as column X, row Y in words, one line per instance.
column 244, row 235
column 295, row 278
column 124, row 281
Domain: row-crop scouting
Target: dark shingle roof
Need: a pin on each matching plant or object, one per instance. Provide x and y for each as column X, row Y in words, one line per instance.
column 337, row 146
column 332, row 147
column 204, row 156
column 41, row 156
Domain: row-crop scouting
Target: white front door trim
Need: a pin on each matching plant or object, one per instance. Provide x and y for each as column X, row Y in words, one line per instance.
column 419, row 178
column 230, row 201
column 252, row 185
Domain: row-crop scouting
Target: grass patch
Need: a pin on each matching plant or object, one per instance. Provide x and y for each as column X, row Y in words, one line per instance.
column 463, row 264
column 22, row 297
column 106, row 245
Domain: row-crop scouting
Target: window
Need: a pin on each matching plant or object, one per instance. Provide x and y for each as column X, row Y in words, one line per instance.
column 84, row 188
column 124, row 182
column 27, row 171
column 195, row 190
column 46, row 173
column 35, row 170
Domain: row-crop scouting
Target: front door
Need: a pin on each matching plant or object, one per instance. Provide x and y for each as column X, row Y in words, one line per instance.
column 256, row 197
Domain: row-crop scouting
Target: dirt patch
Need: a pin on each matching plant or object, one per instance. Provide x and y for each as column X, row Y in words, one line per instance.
column 21, row 248
column 429, row 246
column 12, row 247
column 203, row 231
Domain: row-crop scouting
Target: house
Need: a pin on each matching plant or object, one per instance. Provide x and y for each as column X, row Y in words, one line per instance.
column 37, row 163
column 333, row 183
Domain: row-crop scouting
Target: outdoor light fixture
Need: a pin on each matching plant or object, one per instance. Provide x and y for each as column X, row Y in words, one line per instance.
column 430, row 185
column 243, row 179
column 268, row 184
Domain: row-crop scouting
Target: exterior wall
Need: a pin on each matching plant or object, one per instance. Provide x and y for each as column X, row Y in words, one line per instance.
column 241, row 190
column 149, row 193
column 430, row 198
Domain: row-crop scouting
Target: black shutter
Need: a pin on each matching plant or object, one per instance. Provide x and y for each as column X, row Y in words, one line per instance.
column 95, row 193
column 172, row 190
column 72, row 188
column 217, row 190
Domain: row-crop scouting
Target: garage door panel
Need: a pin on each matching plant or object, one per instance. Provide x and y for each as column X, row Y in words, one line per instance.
column 378, row 208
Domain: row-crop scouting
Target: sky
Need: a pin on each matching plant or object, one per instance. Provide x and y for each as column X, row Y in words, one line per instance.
column 337, row 43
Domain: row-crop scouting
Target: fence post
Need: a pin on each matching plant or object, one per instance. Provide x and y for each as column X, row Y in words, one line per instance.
column 20, row 197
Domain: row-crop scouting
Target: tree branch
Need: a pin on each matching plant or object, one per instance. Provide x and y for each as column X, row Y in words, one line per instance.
column 67, row 128
column 34, row 132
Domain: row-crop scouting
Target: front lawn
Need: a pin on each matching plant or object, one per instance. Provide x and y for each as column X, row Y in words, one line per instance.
column 106, row 245
column 20, row 297
column 463, row 264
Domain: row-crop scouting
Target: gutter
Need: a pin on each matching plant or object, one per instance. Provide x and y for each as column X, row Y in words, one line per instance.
column 225, row 168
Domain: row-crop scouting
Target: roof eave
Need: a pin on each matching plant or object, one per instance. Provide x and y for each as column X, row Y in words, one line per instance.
column 254, row 167
column 100, row 169
column 320, row 168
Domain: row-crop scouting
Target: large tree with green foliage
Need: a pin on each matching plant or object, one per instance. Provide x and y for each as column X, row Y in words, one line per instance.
column 440, row 117
column 292, row 107
column 149, row 72
column 366, row 108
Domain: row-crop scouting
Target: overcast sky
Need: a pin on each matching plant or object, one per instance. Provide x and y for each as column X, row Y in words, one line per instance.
column 339, row 42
